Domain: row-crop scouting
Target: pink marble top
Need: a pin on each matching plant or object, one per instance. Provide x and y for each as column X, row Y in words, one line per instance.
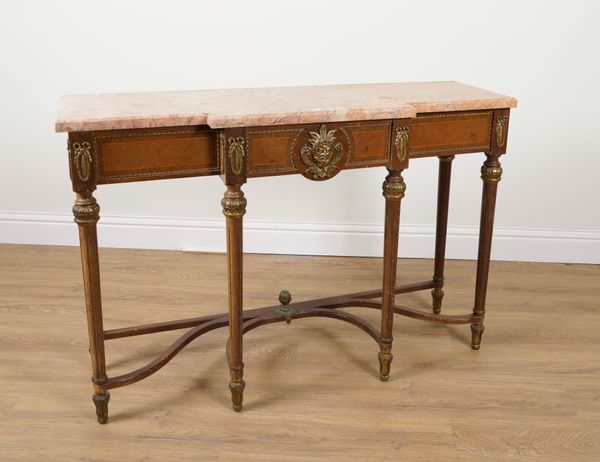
column 270, row 106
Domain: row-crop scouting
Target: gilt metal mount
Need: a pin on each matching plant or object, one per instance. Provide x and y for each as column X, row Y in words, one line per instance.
column 284, row 310
column 401, row 143
column 501, row 130
column 321, row 154
column 82, row 159
column 236, row 154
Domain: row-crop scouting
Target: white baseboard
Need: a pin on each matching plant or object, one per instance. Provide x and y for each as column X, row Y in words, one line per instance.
column 566, row 246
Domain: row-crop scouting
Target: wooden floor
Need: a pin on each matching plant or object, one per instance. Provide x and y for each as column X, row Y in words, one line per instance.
column 532, row 393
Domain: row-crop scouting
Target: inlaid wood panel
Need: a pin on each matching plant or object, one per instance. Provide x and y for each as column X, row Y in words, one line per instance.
column 137, row 155
column 269, row 150
column 450, row 133
column 370, row 143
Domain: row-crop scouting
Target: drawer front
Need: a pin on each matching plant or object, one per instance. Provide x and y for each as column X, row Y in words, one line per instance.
column 454, row 133
column 279, row 150
column 137, row 155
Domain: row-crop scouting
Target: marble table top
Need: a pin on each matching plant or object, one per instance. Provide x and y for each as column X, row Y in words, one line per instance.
column 244, row 107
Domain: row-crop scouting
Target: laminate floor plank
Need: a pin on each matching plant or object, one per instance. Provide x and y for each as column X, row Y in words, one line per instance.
column 532, row 393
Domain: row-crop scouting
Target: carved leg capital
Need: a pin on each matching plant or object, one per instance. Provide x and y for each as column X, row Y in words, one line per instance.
column 491, row 170
column 86, row 210
column 233, row 202
column 394, row 187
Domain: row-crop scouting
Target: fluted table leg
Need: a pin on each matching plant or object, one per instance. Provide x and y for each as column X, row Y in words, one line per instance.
column 234, row 208
column 87, row 212
column 445, row 170
column 491, row 172
column 393, row 191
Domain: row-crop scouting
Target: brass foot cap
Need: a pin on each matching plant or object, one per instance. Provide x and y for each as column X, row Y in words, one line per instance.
column 475, row 347
column 102, row 420
column 437, row 310
column 237, row 407
column 384, row 378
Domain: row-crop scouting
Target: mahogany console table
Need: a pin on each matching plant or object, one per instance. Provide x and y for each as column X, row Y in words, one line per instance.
column 247, row 133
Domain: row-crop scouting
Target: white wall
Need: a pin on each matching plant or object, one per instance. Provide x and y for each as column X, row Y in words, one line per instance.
column 545, row 53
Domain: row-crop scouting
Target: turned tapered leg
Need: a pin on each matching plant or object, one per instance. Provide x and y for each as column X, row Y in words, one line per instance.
column 234, row 208
column 491, row 172
column 87, row 211
column 445, row 171
column 393, row 191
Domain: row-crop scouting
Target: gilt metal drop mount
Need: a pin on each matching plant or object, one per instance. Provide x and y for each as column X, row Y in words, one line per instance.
column 501, row 130
column 82, row 159
column 236, row 154
column 401, row 143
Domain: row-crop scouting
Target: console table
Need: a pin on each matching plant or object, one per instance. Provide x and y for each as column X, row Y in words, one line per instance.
column 313, row 131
